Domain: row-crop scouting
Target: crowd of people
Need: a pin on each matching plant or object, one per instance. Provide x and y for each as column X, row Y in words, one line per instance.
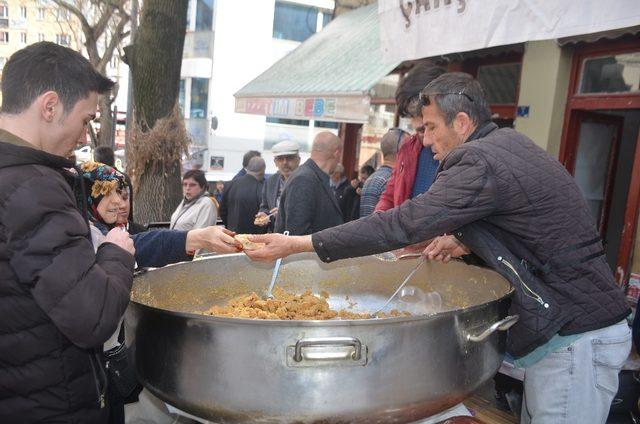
column 457, row 186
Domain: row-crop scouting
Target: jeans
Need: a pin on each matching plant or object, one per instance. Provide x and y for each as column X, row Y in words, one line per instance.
column 576, row 384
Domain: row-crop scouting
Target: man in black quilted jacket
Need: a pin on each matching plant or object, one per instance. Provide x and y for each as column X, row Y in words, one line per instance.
column 516, row 208
column 59, row 301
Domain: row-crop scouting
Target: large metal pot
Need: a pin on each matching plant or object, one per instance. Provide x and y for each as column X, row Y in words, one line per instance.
column 376, row 370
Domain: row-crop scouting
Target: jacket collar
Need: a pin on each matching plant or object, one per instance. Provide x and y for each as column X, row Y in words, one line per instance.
column 482, row 131
column 14, row 151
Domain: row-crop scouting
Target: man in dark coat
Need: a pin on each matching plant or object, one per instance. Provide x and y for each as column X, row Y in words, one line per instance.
column 241, row 199
column 286, row 155
column 59, row 301
column 307, row 204
column 504, row 199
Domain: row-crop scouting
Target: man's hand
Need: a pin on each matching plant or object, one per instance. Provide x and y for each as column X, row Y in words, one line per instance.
column 444, row 248
column 121, row 239
column 278, row 246
column 213, row 239
column 261, row 219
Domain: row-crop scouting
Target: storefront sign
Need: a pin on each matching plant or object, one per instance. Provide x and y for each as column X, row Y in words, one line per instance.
column 337, row 109
column 414, row 29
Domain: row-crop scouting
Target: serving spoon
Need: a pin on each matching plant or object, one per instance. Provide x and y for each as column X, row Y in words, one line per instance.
column 274, row 275
column 404, row 282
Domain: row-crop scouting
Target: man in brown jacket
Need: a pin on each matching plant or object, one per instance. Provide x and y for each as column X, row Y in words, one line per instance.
column 517, row 209
column 59, row 301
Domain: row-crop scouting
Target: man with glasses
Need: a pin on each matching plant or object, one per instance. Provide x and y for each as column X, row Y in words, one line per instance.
column 416, row 167
column 518, row 211
column 377, row 182
column 286, row 156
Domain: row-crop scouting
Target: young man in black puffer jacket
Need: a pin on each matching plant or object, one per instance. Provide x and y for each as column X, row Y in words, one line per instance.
column 59, row 301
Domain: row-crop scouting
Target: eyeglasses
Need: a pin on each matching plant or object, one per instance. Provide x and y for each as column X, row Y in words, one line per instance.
column 426, row 101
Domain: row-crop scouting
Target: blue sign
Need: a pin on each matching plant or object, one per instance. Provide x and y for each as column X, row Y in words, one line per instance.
column 523, row 112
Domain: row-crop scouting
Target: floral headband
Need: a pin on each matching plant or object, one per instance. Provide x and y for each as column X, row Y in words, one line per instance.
column 102, row 180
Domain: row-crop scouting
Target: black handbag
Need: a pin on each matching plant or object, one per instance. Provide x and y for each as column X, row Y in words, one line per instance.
column 121, row 371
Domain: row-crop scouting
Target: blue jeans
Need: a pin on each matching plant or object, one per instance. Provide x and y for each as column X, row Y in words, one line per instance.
column 576, row 384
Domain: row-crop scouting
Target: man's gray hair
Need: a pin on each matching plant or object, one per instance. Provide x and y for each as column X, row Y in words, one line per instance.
column 256, row 164
column 391, row 141
column 457, row 92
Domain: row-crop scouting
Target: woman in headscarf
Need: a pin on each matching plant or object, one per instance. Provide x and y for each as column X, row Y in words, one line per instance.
column 105, row 187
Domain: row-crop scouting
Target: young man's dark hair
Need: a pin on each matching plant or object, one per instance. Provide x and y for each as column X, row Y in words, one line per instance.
column 46, row 66
column 413, row 83
column 248, row 156
column 457, row 92
column 198, row 176
column 104, row 154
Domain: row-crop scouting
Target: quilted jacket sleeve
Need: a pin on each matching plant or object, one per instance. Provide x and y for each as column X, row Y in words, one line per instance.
column 464, row 191
column 84, row 293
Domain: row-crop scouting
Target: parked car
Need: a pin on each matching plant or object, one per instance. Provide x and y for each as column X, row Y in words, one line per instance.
column 83, row 154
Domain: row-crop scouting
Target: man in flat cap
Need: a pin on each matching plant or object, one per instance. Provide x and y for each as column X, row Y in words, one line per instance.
column 286, row 156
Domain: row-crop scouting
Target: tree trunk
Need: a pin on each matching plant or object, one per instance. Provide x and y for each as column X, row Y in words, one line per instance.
column 160, row 138
column 106, row 122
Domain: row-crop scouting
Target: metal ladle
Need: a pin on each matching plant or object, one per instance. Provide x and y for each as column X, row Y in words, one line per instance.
column 404, row 282
column 274, row 275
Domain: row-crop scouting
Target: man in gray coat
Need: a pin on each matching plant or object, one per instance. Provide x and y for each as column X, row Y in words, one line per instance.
column 308, row 204
column 286, row 155
column 517, row 209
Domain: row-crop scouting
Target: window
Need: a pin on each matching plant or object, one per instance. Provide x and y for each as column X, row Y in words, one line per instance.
column 23, row 38
column 326, row 18
column 327, row 124
column 63, row 14
column 283, row 121
column 63, row 39
column 199, row 97
column 204, row 15
column 500, row 82
column 41, row 37
column 41, row 12
column 294, row 22
column 4, row 37
column 181, row 96
column 611, row 74
column 4, row 10
column 23, row 12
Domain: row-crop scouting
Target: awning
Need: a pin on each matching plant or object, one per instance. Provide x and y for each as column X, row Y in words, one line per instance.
column 605, row 35
column 413, row 29
column 329, row 77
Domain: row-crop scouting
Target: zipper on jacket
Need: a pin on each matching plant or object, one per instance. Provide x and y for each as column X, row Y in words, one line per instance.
column 533, row 294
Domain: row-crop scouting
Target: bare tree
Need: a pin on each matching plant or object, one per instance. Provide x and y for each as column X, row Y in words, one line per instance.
column 104, row 27
column 160, row 137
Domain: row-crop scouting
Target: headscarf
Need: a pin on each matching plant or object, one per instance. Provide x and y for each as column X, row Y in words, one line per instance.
column 100, row 180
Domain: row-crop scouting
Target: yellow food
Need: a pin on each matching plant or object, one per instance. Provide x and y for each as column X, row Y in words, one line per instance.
column 246, row 244
column 288, row 306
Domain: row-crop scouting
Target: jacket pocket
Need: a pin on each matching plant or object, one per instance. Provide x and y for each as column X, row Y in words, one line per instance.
column 609, row 354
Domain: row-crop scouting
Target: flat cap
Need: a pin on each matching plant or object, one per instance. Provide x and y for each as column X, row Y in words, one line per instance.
column 286, row 147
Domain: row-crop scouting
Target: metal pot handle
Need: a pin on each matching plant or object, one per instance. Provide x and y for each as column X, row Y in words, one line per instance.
column 502, row 325
column 328, row 341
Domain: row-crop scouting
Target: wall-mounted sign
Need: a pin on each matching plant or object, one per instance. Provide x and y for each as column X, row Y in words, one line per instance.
column 216, row 163
column 522, row 112
column 337, row 109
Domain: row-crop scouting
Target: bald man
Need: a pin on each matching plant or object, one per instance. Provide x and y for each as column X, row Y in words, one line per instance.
column 308, row 204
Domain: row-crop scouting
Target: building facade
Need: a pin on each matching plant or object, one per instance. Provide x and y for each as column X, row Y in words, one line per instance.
column 228, row 43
